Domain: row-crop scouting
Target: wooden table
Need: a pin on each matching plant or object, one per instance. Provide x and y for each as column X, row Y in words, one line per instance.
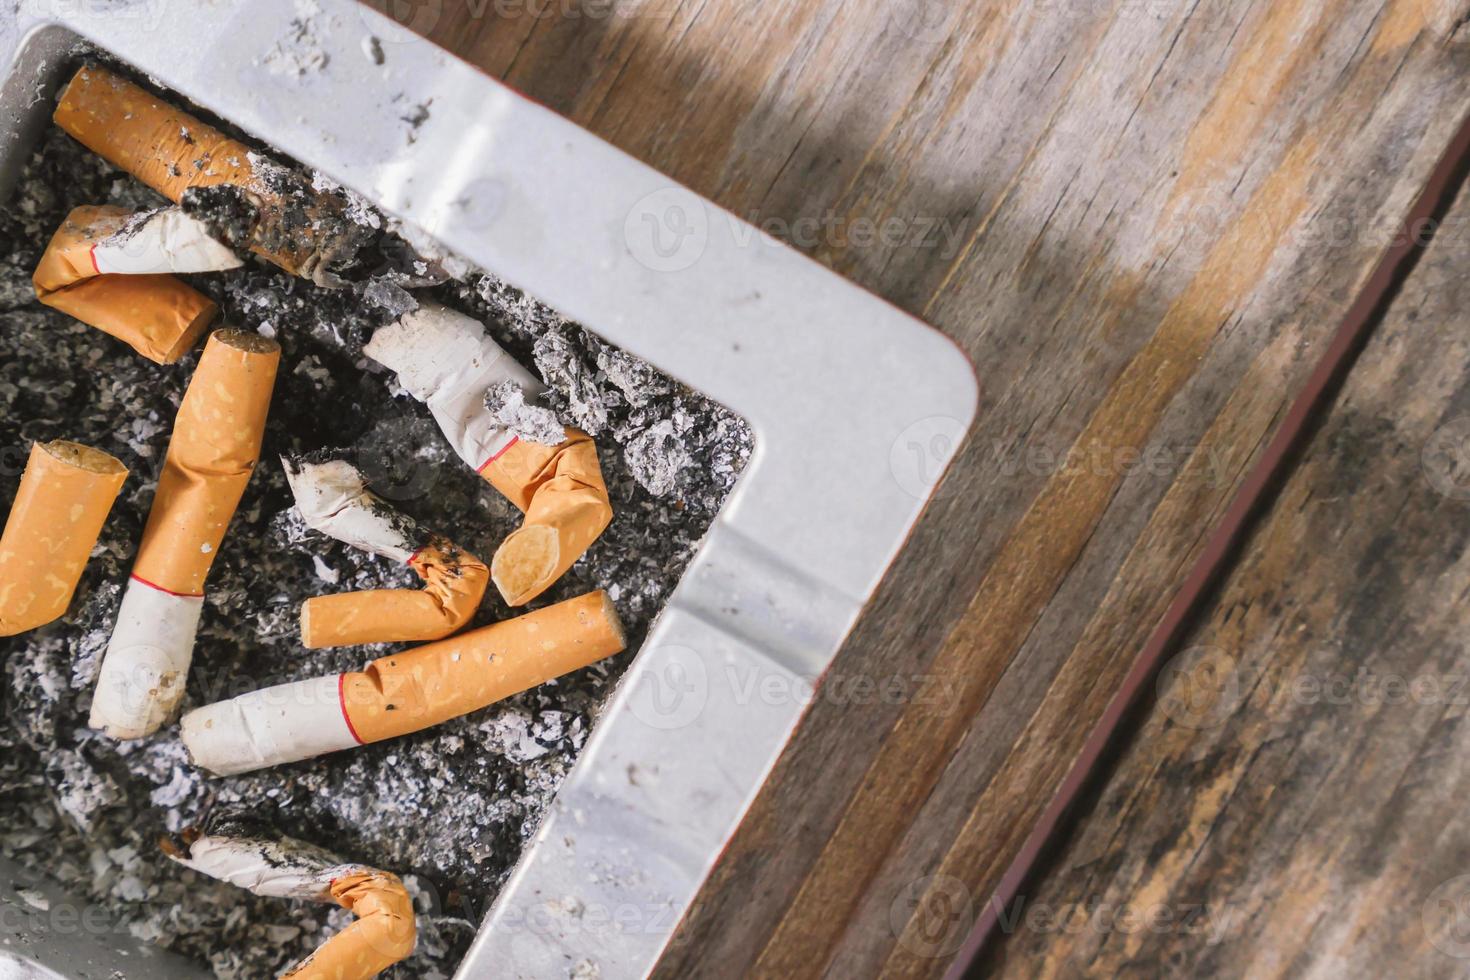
column 1141, row 219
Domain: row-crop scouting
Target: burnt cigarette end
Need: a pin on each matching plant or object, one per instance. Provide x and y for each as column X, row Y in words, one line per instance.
column 246, row 341
column 225, row 209
column 613, row 621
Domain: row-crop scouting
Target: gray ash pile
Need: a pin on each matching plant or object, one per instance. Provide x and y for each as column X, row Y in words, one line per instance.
column 449, row 809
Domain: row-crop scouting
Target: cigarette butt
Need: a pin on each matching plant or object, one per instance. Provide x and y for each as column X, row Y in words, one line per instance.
column 566, row 503
column 110, row 268
column 447, row 360
column 302, row 230
column 63, row 500
column 211, row 455
column 333, row 498
column 384, row 932
column 455, row 583
column 404, row 692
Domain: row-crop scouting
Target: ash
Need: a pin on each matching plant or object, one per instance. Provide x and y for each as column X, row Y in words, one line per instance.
column 448, row 809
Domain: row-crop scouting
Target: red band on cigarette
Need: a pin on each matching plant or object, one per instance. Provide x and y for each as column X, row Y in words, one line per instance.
column 342, row 702
column 502, row 452
column 154, row 585
column 419, row 550
column 92, row 254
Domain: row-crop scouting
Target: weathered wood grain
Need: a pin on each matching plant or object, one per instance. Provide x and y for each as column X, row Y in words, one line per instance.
column 1294, row 804
column 1141, row 218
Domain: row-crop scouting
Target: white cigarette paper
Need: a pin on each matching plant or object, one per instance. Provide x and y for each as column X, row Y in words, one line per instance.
column 270, row 727
column 147, row 663
column 285, row 868
column 162, row 241
column 385, row 931
column 333, row 498
column 447, row 361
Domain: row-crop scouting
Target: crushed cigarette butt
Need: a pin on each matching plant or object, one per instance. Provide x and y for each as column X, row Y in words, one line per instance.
column 64, row 497
column 402, row 693
column 333, row 498
column 211, row 455
column 112, row 269
column 449, row 362
column 384, row 932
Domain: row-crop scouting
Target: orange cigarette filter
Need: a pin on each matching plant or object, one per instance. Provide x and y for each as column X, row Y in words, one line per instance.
column 64, row 497
column 211, row 455
column 412, row 691
column 383, row 934
column 455, row 582
column 172, row 151
column 561, row 490
column 158, row 315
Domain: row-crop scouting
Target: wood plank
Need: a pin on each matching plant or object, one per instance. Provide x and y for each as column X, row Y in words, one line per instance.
column 1141, row 220
column 1294, row 801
